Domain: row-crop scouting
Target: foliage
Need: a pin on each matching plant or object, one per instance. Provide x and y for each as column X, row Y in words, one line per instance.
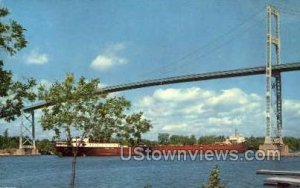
column 12, row 94
column 5, row 133
column 74, row 106
column 7, row 142
column 214, row 180
column 163, row 138
column 211, row 139
column 166, row 139
column 192, row 140
column 149, row 142
column 252, row 143
column 10, row 142
column 114, row 122
column 182, row 140
column 11, row 34
column 78, row 107
column 45, row 146
column 293, row 143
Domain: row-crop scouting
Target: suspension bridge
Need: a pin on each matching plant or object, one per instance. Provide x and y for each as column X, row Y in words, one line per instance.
column 272, row 71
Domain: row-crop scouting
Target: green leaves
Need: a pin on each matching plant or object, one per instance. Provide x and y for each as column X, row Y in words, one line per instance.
column 134, row 127
column 214, row 180
column 12, row 94
column 163, row 138
column 3, row 12
column 78, row 107
column 73, row 105
column 114, row 121
column 11, row 34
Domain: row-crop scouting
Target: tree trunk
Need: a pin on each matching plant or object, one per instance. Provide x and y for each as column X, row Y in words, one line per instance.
column 73, row 175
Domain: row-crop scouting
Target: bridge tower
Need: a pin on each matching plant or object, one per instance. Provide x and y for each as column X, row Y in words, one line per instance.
column 27, row 145
column 273, row 114
column 273, row 79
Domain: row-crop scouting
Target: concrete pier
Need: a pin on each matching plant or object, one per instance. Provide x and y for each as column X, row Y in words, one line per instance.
column 272, row 149
column 19, row 152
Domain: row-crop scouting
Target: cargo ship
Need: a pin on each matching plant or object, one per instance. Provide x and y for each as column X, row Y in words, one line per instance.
column 234, row 143
column 87, row 148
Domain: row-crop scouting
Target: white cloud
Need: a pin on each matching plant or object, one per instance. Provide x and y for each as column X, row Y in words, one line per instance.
column 198, row 108
column 177, row 94
column 292, row 106
column 109, row 58
column 175, row 127
column 224, row 121
column 202, row 112
column 234, row 96
column 36, row 58
column 146, row 101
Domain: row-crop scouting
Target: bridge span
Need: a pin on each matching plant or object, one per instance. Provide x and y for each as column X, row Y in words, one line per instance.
column 187, row 78
column 272, row 71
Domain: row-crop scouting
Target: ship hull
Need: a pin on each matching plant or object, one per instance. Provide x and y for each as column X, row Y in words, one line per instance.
column 201, row 149
column 131, row 151
column 92, row 151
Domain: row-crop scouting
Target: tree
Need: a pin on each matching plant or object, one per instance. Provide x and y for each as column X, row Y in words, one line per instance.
column 5, row 133
column 182, row 140
column 193, row 140
column 163, row 138
column 210, row 139
column 79, row 110
column 12, row 93
column 214, row 180
column 7, row 142
column 113, row 121
column 252, row 143
column 11, row 34
column 293, row 143
column 45, row 146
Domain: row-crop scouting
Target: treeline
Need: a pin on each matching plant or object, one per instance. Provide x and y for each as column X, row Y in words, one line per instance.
column 9, row 142
column 44, row 146
column 293, row 143
column 167, row 139
column 252, row 143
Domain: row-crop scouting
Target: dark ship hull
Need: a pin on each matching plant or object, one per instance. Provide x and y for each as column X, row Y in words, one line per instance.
column 131, row 151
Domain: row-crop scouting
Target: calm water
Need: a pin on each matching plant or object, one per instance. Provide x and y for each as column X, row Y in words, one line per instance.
column 52, row 171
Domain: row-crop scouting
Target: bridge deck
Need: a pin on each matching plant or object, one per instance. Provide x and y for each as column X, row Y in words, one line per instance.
column 187, row 78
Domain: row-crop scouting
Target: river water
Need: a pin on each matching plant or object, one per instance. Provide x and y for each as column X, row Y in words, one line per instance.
column 53, row 171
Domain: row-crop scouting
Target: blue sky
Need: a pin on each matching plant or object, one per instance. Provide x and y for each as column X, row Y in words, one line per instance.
column 127, row 41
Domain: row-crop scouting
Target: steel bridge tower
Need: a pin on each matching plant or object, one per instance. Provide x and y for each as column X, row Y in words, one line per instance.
column 273, row 79
column 27, row 143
